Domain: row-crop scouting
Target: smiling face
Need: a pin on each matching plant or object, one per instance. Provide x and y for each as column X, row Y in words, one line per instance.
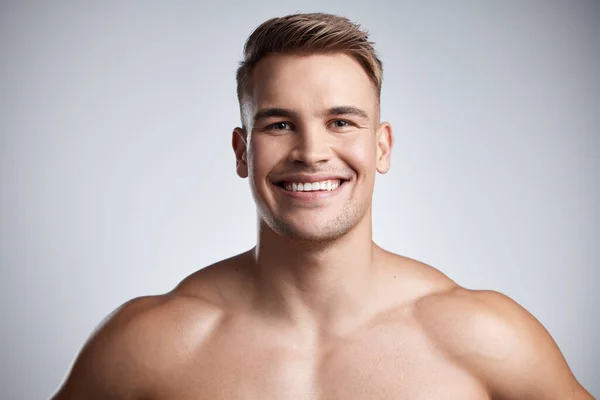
column 312, row 144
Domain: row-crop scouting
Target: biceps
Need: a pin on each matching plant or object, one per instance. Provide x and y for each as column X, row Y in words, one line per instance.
column 543, row 378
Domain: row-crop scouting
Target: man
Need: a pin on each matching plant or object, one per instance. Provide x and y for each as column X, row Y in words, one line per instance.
column 317, row 310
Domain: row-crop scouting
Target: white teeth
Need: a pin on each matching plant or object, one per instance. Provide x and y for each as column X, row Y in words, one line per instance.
column 312, row 186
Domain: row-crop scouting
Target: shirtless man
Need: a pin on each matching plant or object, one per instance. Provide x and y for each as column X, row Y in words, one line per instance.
column 317, row 310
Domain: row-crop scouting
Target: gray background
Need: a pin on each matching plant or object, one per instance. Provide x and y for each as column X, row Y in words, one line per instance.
column 117, row 177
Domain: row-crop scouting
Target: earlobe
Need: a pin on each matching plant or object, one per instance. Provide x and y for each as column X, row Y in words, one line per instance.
column 385, row 142
column 240, row 148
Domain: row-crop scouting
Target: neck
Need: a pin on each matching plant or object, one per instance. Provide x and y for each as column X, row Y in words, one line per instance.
column 317, row 286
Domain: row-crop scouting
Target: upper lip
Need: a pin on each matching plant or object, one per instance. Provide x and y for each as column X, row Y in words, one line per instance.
column 302, row 178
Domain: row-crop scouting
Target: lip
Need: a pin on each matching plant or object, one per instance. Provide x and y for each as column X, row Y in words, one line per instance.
column 303, row 178
column 312, row 196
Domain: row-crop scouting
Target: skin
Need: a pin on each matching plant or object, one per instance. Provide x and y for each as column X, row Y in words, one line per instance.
column 317, row 310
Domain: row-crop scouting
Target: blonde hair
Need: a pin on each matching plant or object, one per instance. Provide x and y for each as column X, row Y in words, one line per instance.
column 315, row 33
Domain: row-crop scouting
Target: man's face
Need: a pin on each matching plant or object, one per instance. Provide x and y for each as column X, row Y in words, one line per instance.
column 312, row 144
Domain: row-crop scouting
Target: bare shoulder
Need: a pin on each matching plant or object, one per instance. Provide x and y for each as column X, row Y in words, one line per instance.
column 143, row 340
column 226, row 284
column 416, row 279
column 498, row 341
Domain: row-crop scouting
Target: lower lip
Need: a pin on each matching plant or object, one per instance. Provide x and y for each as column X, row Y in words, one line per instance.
column 311, row 196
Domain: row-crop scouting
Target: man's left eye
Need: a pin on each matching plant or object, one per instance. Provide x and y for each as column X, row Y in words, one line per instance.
column 340, row 124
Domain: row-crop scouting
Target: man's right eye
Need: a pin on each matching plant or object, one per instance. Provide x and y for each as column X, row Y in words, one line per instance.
column 279, row 126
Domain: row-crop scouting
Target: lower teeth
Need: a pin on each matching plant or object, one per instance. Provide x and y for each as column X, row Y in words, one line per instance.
column 289, row 189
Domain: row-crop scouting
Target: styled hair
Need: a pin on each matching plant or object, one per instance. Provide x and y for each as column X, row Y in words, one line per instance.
column 315, row 33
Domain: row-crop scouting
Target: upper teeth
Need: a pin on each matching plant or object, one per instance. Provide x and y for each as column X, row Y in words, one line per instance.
column 311, row 186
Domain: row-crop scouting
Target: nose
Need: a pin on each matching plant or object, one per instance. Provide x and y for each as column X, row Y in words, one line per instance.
column 311, row 147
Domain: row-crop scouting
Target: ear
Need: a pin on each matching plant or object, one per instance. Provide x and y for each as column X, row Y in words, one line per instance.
column 239, row 141
column 385, row 142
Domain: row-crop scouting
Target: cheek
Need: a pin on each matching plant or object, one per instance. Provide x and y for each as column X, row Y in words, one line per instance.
column 361, row 154
column 263, row 154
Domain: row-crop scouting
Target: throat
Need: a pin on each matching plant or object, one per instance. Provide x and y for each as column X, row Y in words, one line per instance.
column 315, row 289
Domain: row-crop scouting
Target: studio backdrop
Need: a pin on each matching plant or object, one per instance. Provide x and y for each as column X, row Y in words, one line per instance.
column 117, row 177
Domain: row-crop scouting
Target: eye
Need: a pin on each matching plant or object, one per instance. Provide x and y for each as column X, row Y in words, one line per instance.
column 279, row 126
column 340, row 123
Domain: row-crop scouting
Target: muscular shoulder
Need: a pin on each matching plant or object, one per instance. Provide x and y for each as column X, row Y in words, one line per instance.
column 146, row 339
column 168, row 324
column 137, row 344
column 498, row 341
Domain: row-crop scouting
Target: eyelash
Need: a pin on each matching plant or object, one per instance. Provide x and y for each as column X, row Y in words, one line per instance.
column 272, row 126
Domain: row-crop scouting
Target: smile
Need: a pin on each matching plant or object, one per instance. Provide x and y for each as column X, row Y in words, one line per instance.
column 311, row 191
column 327, row 185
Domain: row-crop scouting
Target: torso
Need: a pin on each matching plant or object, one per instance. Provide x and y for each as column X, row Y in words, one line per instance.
column 394, row 360
column 210, row 352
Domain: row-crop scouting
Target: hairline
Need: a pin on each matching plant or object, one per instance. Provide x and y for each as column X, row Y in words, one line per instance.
column 301, row 53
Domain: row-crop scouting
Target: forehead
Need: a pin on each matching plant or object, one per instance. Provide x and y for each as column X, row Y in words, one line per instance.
column 310, row 82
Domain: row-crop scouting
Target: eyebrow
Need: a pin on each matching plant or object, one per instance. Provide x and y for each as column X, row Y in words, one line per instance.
column 347, row 110
column 286, row 113
column 274, row 112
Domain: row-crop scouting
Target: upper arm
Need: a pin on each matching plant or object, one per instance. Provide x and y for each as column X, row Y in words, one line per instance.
column 108, row 366
column 503, row 345
column 530, row 364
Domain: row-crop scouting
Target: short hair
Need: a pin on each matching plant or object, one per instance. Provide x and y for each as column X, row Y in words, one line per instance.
column 312, row 33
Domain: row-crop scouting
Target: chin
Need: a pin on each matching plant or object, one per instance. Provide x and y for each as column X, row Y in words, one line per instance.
column 313, row 233
column 310, row 236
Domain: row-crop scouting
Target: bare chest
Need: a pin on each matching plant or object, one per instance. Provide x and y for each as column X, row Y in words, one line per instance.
column 381, row 365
